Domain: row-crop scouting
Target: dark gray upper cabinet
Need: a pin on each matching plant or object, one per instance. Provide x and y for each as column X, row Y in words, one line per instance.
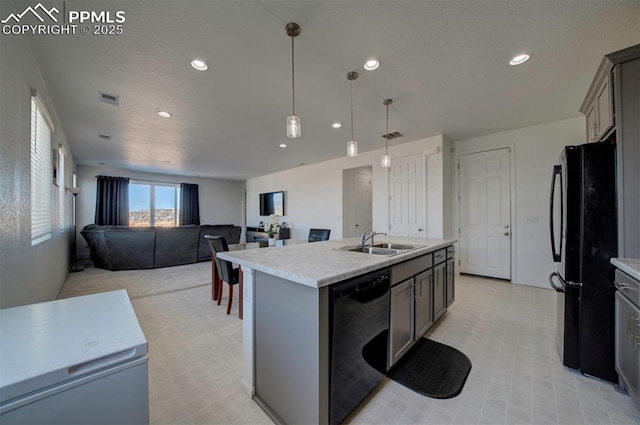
column 612, row 108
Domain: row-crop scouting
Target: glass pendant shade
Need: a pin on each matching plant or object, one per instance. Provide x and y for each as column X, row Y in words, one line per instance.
column 352, row 148
column 293, row 127
column 386, row 161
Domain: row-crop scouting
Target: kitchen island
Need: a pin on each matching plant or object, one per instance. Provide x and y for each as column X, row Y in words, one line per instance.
column 286, row 326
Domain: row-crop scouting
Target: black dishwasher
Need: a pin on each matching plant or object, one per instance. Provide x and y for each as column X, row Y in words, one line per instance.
column 359, row 335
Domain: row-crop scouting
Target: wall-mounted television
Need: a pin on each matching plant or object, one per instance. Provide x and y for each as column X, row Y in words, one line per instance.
column 272, row 203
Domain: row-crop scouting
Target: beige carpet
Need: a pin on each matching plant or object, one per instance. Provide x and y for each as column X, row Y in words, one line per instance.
column 138, row 283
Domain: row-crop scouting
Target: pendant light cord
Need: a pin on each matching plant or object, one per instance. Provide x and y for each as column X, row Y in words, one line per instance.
column 386, row 136
column 293, row 86
column 351, row 109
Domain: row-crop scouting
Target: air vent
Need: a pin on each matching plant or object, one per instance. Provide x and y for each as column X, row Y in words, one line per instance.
column 393, row 135
column 109, row 98
column 104, row 137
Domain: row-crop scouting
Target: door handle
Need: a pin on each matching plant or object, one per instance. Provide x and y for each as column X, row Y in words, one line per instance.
column 506, row 226
column 420, row 230
column 506, row 233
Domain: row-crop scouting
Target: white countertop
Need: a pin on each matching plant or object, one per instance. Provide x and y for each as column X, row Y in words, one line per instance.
column 52, row 342
column 630, row 266
column 319, row 264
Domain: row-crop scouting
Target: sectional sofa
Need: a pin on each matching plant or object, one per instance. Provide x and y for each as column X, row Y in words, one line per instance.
column 130, row 248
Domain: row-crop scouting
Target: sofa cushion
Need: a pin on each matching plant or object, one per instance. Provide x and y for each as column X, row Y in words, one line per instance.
column 130, row 248
column 176, row 245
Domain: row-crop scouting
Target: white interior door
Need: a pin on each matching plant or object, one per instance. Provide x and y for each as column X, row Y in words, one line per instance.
column 406, row 196
column 362, row 197
column 485, row 213
column 357, row 200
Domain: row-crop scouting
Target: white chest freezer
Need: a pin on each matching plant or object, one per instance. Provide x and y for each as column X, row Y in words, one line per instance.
column 74, row 361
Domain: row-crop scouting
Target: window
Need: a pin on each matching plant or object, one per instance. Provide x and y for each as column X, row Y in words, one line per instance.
column 41, row 171
column 153, row 204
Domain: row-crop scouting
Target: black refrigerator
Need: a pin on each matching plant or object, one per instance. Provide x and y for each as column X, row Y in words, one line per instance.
column 583, row 225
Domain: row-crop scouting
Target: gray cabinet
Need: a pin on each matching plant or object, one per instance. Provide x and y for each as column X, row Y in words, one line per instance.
column 627, row 332
column 419, row 297
column 628, row 344
column 451, row 287
column 611, row 108
column 423, row 289
column 401, row 320
column 600, row 111
column 439, row 291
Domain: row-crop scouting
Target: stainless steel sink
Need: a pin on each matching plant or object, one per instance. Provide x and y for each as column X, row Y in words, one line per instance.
column 380, row 248
column 396, row 246
column 375, row 250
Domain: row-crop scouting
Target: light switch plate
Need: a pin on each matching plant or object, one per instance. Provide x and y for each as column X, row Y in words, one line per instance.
column 531, row 219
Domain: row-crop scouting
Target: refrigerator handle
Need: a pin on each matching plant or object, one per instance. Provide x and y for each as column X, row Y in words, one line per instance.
column 557, row 171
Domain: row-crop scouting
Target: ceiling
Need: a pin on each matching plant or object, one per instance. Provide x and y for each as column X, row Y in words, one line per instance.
column 444, row 64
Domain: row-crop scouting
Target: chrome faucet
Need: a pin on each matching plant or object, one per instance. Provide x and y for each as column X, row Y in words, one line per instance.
column 364, row 238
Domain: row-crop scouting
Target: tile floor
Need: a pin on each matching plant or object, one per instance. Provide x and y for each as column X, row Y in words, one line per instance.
column 508, row 332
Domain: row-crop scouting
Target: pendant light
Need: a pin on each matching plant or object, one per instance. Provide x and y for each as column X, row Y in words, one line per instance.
column 293, row 121
column 386, row 158
column 352, row 145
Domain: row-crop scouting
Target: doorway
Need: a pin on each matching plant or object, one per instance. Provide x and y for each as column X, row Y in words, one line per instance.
column 485, row 213
column 357, row 200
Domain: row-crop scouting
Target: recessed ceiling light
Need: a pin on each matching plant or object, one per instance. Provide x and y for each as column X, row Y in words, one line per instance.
column 200, row 65
column 336, row 124
column 371, row 64
column 520, row 59
column 283, row 145
column 164, row 114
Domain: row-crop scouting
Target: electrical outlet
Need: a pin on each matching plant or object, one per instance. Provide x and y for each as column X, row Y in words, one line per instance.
column 531, row 219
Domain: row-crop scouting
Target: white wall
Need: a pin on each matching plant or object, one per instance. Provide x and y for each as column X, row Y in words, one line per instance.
column 221, row 201
column 313, row 197
column 28, row 274
column 534, row 151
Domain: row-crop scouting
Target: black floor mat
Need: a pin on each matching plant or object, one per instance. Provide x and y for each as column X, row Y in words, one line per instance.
column 432, row 369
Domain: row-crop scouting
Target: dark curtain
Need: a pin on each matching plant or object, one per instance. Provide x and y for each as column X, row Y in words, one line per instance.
column 189, row 204
column 112, row 201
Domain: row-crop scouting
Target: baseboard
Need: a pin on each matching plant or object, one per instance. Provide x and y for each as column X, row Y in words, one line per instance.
column 247, row 388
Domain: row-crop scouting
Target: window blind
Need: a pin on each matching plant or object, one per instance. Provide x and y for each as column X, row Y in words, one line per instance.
column 40, row 172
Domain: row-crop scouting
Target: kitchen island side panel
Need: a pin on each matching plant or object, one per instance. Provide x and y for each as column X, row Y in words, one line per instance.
column 291, row 350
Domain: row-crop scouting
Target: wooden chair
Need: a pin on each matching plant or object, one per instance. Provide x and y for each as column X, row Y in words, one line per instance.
column 226, row 272
column 316, row 235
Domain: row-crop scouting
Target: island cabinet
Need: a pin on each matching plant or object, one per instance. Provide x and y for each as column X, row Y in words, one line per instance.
column 322, row 324
column 401, row 320
column 451, row 292
column 421, row 291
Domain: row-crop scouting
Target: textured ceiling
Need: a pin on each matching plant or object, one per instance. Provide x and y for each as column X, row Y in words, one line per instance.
column 444, row 64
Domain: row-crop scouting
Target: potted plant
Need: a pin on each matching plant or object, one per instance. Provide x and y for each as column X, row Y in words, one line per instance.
column 272, row 228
